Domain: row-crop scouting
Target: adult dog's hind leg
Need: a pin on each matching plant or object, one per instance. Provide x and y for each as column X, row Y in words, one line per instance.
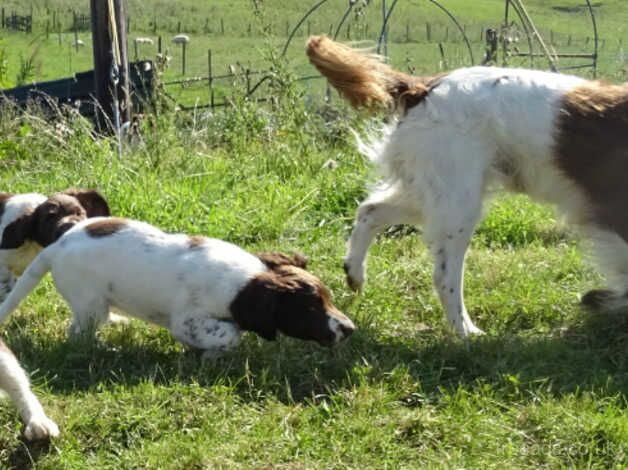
column 381, row 209
column 449, row 249
column 452, row 208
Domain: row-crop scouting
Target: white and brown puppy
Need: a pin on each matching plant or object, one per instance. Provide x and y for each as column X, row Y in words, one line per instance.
column 558, row 138
column 14, row 382
column 30, row 222
column 205, row 291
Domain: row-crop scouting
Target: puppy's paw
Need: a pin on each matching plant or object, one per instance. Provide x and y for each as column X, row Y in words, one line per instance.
column 355, row 275
column 40, row 427
column 212, row 355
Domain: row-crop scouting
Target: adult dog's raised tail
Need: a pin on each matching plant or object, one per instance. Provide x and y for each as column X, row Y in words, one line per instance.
column 363, row 79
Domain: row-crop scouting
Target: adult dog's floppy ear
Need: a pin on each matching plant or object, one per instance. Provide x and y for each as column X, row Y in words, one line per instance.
column 92, row 201
column 274, row 259
column 254, row 308
column 17, row 232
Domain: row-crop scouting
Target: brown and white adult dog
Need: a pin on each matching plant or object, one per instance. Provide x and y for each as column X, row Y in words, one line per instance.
column 30, row 222
column 558, row 138
column 14, row 382
column 205, row 291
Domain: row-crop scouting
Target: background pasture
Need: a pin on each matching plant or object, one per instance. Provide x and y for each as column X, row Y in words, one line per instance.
column 546, row 388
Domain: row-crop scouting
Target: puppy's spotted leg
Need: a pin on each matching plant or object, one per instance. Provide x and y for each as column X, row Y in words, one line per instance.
column 89, row 314
column 381, row 209
column 13, row 380
column 214, row 336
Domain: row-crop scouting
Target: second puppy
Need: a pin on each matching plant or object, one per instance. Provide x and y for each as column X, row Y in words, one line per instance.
column 29, row 222
column 205, row 291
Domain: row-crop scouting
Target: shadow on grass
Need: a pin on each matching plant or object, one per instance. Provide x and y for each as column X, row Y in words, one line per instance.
column 588, row 356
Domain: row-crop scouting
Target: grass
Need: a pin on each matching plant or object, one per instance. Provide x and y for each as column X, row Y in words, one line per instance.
column 241, row 43
column 545, row 388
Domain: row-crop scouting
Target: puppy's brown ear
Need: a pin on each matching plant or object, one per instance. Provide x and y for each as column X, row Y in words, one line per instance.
column 16, row 233
column 92, row 201
column 254, row 308
column 274, row 259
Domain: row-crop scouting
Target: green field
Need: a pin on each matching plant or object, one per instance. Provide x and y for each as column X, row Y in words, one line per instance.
column 545, row 388
column 232, row 31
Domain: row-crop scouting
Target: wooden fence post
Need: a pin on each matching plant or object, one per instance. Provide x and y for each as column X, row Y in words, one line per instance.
column 102, row 42
column 211, row 78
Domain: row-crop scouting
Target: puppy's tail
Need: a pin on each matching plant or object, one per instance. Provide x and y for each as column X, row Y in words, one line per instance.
column 27, row 282
column 363, row 79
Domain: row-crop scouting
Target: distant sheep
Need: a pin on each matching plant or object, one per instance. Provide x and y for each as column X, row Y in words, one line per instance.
column 181, row 39
column 143, row 40
column 78, row 43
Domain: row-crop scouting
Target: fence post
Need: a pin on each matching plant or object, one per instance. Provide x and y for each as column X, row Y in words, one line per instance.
column 442, row 56
column 179, row 27
column 211, row 78
column 47, row 28
column 428, row 31
column 183, row 50
column 222, row 26
column 3, row 23
column 103, row 62
column 159, row 44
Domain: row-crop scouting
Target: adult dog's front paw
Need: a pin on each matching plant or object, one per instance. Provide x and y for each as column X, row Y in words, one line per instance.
column 355, row 275
column 40, row 427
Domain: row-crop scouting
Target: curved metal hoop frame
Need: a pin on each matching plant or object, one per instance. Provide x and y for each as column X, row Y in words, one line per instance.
column 520, row 15
column 531, row 32
column 441, row 7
